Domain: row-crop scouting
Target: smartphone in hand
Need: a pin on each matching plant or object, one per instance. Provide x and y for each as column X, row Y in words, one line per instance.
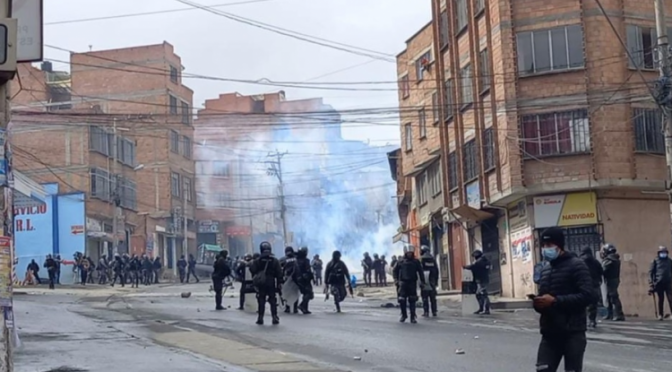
column 531, row 296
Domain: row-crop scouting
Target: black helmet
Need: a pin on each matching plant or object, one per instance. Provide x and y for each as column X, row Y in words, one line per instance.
column 477, row 253
column 424, row 249
column 289, row 249
column 265, row 246
column 336, row 255
column 662, row 249
column 609, row 248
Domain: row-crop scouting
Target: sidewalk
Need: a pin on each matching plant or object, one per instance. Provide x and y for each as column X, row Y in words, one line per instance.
column 75, row 290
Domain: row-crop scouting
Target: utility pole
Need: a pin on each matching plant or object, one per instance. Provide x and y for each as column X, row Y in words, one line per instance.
column 185, row 221
column 174, row 239
column 7, row 332
column 116, row 198
column 664, row 93
column 276, row 169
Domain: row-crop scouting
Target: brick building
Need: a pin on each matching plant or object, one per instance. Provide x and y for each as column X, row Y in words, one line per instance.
column 546, row 122
column 139, row 92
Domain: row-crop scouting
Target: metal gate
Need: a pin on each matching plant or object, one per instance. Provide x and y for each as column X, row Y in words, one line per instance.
column 576, row 238
column 490, row 243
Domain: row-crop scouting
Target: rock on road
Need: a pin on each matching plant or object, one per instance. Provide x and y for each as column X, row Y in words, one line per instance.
column 149, row 324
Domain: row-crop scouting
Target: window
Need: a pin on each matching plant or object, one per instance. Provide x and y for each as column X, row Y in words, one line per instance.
column 127, row 193
column 186, row 114
column 174, row 142
column 434, row 172
column 174, row 74
column 484, row 66
column 470, row 161
column 466, row 74
column 421, row 187
column 450, row 98
column 99, row 140
column 489, row 149
column 173, row 105
column 422, row 65
column 436, row 113
column 100, row 184
column 554, row 49
column 452, row 171
column 408, row 137
column 200, row 199
column 220, row 168
column 405, row 87
column 186, row 142
column 223, row 200
column 422, row 122
column 188, row 188
column 556, row 133
column 462, row 15
column 443, row 29
column 642, row 43
column 479, row 7
column 175, row 184
column 126, row 151
column 649, row 131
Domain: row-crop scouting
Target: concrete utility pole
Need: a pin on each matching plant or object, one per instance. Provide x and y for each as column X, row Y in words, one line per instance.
column 174, row 239
column 116, row 198
column 664, row 92
column 276, row 169
column 7, row 214
column 185, row 221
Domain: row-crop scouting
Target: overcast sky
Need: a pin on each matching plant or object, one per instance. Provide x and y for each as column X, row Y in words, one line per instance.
column 213, row 45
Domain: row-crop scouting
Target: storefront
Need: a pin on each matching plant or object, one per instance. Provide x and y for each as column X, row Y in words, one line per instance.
column 575, row 213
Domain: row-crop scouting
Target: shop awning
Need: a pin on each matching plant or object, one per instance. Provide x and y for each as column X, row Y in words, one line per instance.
column 211, row 247
column 467, row 213
column 400, row 237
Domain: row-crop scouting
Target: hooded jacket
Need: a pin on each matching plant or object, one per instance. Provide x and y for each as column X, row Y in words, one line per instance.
column 660, row 272
column 612, row 269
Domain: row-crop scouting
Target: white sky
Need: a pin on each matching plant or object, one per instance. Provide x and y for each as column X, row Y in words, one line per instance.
column 213, row 45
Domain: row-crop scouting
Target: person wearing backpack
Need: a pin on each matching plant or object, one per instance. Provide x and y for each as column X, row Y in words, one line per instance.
column 267, row 281
column 336, row 276
column 220, row 271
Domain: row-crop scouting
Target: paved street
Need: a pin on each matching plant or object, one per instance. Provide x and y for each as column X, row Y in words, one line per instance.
column 157, row 330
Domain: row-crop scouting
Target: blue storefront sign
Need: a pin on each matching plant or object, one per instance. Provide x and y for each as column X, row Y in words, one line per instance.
column 56, row 227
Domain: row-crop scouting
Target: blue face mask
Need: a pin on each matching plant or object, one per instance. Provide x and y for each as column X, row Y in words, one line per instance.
column 662, row 255
column 550, row 253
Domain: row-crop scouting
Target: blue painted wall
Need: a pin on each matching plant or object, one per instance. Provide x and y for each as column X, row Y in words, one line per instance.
column 44, row 230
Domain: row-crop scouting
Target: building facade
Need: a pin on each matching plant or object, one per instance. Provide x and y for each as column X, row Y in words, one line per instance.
column 136, row 95
column 546, row 122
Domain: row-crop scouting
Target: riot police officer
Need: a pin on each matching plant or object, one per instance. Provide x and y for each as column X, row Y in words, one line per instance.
column 406, row 275
column 431, row 274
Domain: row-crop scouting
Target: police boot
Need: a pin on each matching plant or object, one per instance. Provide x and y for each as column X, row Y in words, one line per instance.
column 296, row 308
column 338, row 307
column 610, row 314
column 260, row 318
column 414, row 317
column 276, row 320
column 304, row 308
column 404, row 314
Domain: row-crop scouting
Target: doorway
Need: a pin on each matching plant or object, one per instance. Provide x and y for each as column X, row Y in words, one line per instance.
column 490, row 244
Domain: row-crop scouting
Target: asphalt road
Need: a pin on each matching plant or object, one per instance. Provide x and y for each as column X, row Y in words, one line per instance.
column 364, row 338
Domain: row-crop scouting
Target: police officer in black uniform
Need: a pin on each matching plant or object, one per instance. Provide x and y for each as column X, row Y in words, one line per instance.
column 303, row 276
column 267, row 279
column 481, row 272
column 336, row 277
column 406, row 275
column 611, row 266
column 220, row 271
column 431, row 273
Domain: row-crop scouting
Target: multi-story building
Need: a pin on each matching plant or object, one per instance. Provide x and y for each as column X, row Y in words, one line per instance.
column 136, row 93
column 546, row 121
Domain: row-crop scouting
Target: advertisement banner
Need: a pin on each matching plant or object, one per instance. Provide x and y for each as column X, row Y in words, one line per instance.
column 521, row 245
column 565, row 210
column 208, row 226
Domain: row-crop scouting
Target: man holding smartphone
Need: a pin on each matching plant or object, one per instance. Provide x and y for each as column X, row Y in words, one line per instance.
column 565, row 291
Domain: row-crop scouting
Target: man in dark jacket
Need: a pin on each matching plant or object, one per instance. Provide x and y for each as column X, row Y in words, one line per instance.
column 51, row 266
column 316, row 264
column 336, row 276
column 431, row 272
column 481, row 272
column 267, row 278
column 406, row 275
column 220, row 271
column 660, row 280
column 303, row 277
column 377, row 268
column 596, row 273
column 565, row 291
column 611, row 265
column 191, row 268
column 181, row 268
column 288, row 266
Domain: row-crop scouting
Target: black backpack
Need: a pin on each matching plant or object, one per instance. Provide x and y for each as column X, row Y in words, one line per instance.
column 259, row 279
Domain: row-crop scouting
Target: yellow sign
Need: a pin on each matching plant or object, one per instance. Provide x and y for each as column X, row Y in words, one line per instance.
column 565, row 210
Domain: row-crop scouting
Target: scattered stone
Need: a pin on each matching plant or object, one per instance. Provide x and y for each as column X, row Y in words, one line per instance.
column 459, row 352
column 357, row 358
column 360, row 294
column 387, row 305
column 476, row 337
column 185, row 294
column 128, row 306
column 198, row 310
column 366, row 350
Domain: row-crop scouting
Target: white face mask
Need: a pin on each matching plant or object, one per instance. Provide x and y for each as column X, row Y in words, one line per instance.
column 662, row 255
